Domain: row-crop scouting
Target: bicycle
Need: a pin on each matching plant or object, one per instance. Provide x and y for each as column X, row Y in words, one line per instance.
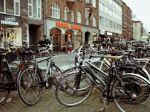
column 114, row 87
column 8, row 73
column 30, row 81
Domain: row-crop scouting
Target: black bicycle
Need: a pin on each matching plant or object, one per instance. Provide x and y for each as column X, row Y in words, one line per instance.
column 9, row 70
column 127, row 90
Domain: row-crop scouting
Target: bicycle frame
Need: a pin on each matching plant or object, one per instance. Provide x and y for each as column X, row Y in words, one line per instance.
column 48, row 70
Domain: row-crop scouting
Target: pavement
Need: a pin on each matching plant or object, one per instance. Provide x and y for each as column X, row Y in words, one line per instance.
column 48, row 102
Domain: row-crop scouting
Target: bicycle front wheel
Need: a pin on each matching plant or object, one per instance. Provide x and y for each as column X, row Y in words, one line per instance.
column 29, row 87
column 4, row 91
column 132, row 93
column 68, row 95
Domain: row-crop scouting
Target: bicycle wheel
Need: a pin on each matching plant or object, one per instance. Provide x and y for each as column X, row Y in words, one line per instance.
column 74, row 71
column 68, row 95
column 29, row 87
column 56, row 75
column 4, row 93
column 132, row 94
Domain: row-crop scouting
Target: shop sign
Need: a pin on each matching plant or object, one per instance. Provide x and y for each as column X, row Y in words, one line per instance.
column 68, row 26
column 75, row 27
column 62, row 25
column 109, row 33
column 6, row 22
column 9, row 21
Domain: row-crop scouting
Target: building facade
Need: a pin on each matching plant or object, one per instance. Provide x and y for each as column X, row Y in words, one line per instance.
column 137, row 30
column 20, row 20
column 110, row 18
column 10, row 22
column 127, row 29
column 32, row 20
column 75, row 19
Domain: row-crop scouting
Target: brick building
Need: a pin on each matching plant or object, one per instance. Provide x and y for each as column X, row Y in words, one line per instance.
column 127, row 28
column 10, row 22
column 20, row 20
column 32, row 20
column 75, row 19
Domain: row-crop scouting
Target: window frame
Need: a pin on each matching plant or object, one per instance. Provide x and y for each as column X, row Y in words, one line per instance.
column 14, row 8
column 55, row 10
column 38, row 9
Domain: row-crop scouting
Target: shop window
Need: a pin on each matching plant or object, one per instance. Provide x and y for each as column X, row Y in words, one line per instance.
column 79, row 17
column 55, row 11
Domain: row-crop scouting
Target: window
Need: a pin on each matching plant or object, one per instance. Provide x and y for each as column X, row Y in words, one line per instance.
column 79, row 17
column 101, row 7
column 1, row 5
column 93, row 3
column 87, row 16
column 55, row 11
column 94, row 21
column 72, row 16
column 17, row 7
column 10, row 7
column 34, row 8
column 66, row 13
column 106, row 10
column 102, row 21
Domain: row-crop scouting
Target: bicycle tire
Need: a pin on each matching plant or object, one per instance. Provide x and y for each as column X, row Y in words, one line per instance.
column 56, row 75
column 32, row 84
column 66, row 88
column 132, row 93
column 4, row 93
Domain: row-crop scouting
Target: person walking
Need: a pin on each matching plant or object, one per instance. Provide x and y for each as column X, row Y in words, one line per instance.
column 69, row 45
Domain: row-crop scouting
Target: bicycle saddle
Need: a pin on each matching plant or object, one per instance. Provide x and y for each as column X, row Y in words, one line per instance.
column 113, row 58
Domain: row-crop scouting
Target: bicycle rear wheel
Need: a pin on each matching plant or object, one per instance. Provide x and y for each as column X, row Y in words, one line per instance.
column 68, row 95
column 29, row 87
column 132, row 94
column 4, row 92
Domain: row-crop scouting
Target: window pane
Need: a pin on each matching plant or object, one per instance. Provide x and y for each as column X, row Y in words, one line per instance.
column 34, row 8
column 72, row 16
column 1, row 5
column 10, row 6
column 17, row 8
column 30, row 10
column 39, row 12
column 30, row 1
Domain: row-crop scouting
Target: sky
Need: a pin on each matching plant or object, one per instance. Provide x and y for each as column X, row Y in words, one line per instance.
column 141, row 8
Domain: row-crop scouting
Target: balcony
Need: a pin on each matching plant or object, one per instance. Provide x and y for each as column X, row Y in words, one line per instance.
column 70, row 3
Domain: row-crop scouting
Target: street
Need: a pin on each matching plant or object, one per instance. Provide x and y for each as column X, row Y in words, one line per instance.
column 48, row 103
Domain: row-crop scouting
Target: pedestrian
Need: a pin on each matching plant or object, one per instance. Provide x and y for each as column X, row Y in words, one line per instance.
column 69, row 45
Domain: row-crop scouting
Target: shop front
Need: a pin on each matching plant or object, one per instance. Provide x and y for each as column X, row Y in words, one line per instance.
column 61, row 32
column 10, row 30
column 108, row 36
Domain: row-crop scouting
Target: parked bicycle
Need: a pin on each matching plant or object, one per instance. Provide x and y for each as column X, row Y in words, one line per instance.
column 31, row 81
column 127, row 90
